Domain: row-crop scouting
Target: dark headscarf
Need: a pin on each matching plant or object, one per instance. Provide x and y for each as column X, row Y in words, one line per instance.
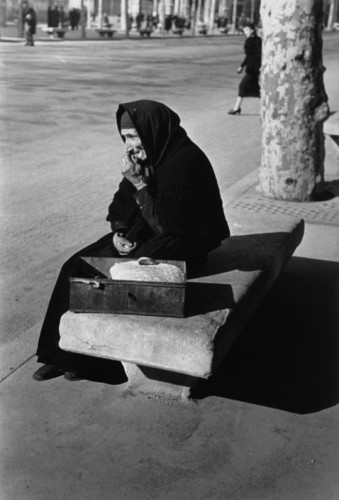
column 126, row 121
column 251, row 26
column 187, row 197
column 157, row 125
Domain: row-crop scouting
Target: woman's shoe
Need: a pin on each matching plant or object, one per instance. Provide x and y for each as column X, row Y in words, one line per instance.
column 234, row 111
column 46, row 372
column 72, row 376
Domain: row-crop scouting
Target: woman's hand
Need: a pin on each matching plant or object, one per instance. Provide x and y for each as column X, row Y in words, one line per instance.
column 122, row 244
column 133, row 171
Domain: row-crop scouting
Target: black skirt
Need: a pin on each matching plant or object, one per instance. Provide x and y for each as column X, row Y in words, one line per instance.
column 249, row 86
column 159, row 247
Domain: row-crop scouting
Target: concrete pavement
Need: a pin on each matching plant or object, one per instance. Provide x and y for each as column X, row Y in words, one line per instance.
column 264, row 428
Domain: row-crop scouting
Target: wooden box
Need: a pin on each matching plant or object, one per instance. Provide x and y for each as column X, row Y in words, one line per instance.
column 93, row 290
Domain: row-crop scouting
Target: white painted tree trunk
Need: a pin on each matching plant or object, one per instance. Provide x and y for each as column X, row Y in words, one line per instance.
column 211, row 17
column 234, row 15
column 100, row 13
column 293, row 100
column 124, row 17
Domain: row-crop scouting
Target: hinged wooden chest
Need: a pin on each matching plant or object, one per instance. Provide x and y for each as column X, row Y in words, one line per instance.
column 93, row 290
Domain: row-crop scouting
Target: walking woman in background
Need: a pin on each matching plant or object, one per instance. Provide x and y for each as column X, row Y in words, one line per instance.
column 249, row 85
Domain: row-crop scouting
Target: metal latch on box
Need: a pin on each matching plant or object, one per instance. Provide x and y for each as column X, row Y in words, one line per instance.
column 92, row 283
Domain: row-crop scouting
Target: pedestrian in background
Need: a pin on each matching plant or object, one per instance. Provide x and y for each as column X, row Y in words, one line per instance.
column 105, row 21
column 249, row 85
column 29, row 20
column 74, row 17
column 53, row 17
column 62, row 17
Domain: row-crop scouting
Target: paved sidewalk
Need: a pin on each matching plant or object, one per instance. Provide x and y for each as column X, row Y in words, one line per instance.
column 266, row 428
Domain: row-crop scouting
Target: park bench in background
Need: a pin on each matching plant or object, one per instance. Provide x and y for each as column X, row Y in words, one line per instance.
column 178, row 31
column 109, row 32
column 202, row 29
column 168, row 356
column 145, row 31
column 52, row 32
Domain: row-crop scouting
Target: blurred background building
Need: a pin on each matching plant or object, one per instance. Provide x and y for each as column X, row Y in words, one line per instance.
column 182, row 8
column 229, row 15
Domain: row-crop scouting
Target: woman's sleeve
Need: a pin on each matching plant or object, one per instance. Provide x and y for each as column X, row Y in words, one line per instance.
column 125, row 216
column 121, row 210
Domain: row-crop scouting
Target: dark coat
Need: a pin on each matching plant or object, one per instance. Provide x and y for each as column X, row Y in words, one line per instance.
column 252, row 49
column 30, row 19
column 53, row 17
column 249, row 85
column 187, row 198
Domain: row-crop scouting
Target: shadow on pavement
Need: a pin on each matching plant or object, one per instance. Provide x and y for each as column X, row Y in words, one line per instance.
column 287, row 357
column 108, row 372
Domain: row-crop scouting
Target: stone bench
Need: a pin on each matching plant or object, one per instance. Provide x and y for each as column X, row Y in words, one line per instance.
column 178, row 31
column 163, row 355
column 224, row 30
column 52, row 32
column 145, row 31
column 106, row 31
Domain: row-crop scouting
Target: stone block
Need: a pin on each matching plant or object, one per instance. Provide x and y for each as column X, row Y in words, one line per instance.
column 146, row 380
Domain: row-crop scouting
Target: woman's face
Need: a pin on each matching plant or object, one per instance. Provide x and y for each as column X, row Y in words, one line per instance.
column 247, row 31
column 133, row 145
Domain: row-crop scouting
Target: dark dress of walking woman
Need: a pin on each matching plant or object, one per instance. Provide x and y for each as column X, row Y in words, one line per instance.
column 249, row 85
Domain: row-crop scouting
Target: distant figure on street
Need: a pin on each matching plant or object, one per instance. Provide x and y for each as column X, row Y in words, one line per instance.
column 223, row 24
column 30, row 21
column 167, row 206
column 53, row 17
column 105, row 21
column 74, row 18
column 249, row 85
column 168, row 23
column 242, row 22
column 62, row 17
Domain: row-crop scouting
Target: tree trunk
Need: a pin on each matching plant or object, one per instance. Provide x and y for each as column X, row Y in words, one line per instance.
column 234, row 16
column 293, row 100
column 211, row 17
column 100, row 13
column 194, row 17
column 20, row 20
column 83, row 20
column 161, row 7
column 124, row 17
column 3, row 13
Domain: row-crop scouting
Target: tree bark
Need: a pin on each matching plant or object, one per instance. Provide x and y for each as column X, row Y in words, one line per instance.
column 293, row 100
